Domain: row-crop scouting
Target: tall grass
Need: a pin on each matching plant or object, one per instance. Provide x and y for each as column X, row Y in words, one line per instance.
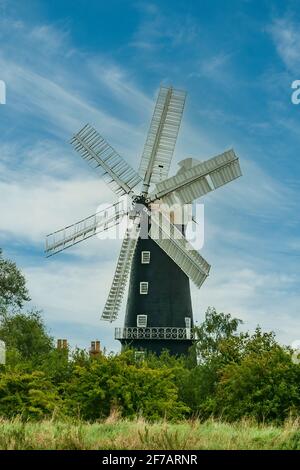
column 116, row 433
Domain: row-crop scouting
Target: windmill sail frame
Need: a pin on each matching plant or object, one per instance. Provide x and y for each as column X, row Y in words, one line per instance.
column 162, row 136
column 102, row 157
column 88, row 227
column 115, row 296
column 192, row 181
column 202, row 178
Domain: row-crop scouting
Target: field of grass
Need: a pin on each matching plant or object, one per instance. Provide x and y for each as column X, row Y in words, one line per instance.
column 122, row 434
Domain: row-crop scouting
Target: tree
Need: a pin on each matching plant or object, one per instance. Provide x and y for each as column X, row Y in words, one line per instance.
column 264, row 386
column 13, row 291
column 213, row 352
column 26, row 333
column 216, row 328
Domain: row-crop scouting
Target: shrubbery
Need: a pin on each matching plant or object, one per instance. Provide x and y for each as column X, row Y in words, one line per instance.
column 237, row 375
column 90, row 390
column 242, row 376
column 30, row 395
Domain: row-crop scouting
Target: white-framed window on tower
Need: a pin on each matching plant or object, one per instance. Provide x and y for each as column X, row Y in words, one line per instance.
column 143, row 287
column 141, row 321
column 145, row 257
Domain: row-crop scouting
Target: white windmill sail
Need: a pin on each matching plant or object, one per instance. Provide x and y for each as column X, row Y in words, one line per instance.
column 162, row 136
column 193, row 180
column 102, row 157
column 115, row 296
column 200, row 179
column 86, row 228
column 171, row 240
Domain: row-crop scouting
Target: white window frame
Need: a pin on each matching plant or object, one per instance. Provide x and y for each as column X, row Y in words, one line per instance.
column 144, row 287
column 145, row 257
column 141, row 321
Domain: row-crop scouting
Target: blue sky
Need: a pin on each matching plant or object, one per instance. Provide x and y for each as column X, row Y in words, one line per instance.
column 72, row 62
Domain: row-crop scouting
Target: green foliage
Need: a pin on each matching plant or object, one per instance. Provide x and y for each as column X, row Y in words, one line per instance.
column 29, row 395
column 264, row 386
column 237, row 374
column 241, row 375
column 199, row 382
column 13, row 291
column 121, row 382
column 57, row 366
column 216, row 328
column 25, row 333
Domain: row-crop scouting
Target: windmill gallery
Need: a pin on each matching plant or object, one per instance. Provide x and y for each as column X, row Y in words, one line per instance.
column 155, row 254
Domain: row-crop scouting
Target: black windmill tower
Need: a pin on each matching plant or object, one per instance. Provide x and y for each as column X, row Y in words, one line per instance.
column 155, row 253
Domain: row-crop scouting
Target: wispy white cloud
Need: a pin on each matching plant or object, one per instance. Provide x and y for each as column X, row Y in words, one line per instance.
column 75, row 294
column 50, row 38
column 56, row 104
column 120, row 85
column 46, row 187
column 254, row 293
column 267, row 199
column 158, row 28
column 285, row 33
column 35, row 210
column 215, row 67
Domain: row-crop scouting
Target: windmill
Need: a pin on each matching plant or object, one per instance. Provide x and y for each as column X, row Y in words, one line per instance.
column 155, row 253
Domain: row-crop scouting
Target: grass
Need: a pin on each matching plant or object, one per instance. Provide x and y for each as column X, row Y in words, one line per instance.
column 123, row 434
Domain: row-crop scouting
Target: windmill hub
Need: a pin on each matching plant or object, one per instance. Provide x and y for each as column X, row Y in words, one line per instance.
column 140, row 199
column 155, row 255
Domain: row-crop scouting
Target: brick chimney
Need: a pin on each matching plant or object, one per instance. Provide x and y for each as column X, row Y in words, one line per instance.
column 95, row 348
column 62, row 344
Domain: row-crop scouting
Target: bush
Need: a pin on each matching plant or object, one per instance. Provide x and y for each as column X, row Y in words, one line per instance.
column 29, row 395
column 119, row 382
column 263, row 386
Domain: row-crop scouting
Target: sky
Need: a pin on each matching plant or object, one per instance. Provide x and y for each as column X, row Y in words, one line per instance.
column 66, row 63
